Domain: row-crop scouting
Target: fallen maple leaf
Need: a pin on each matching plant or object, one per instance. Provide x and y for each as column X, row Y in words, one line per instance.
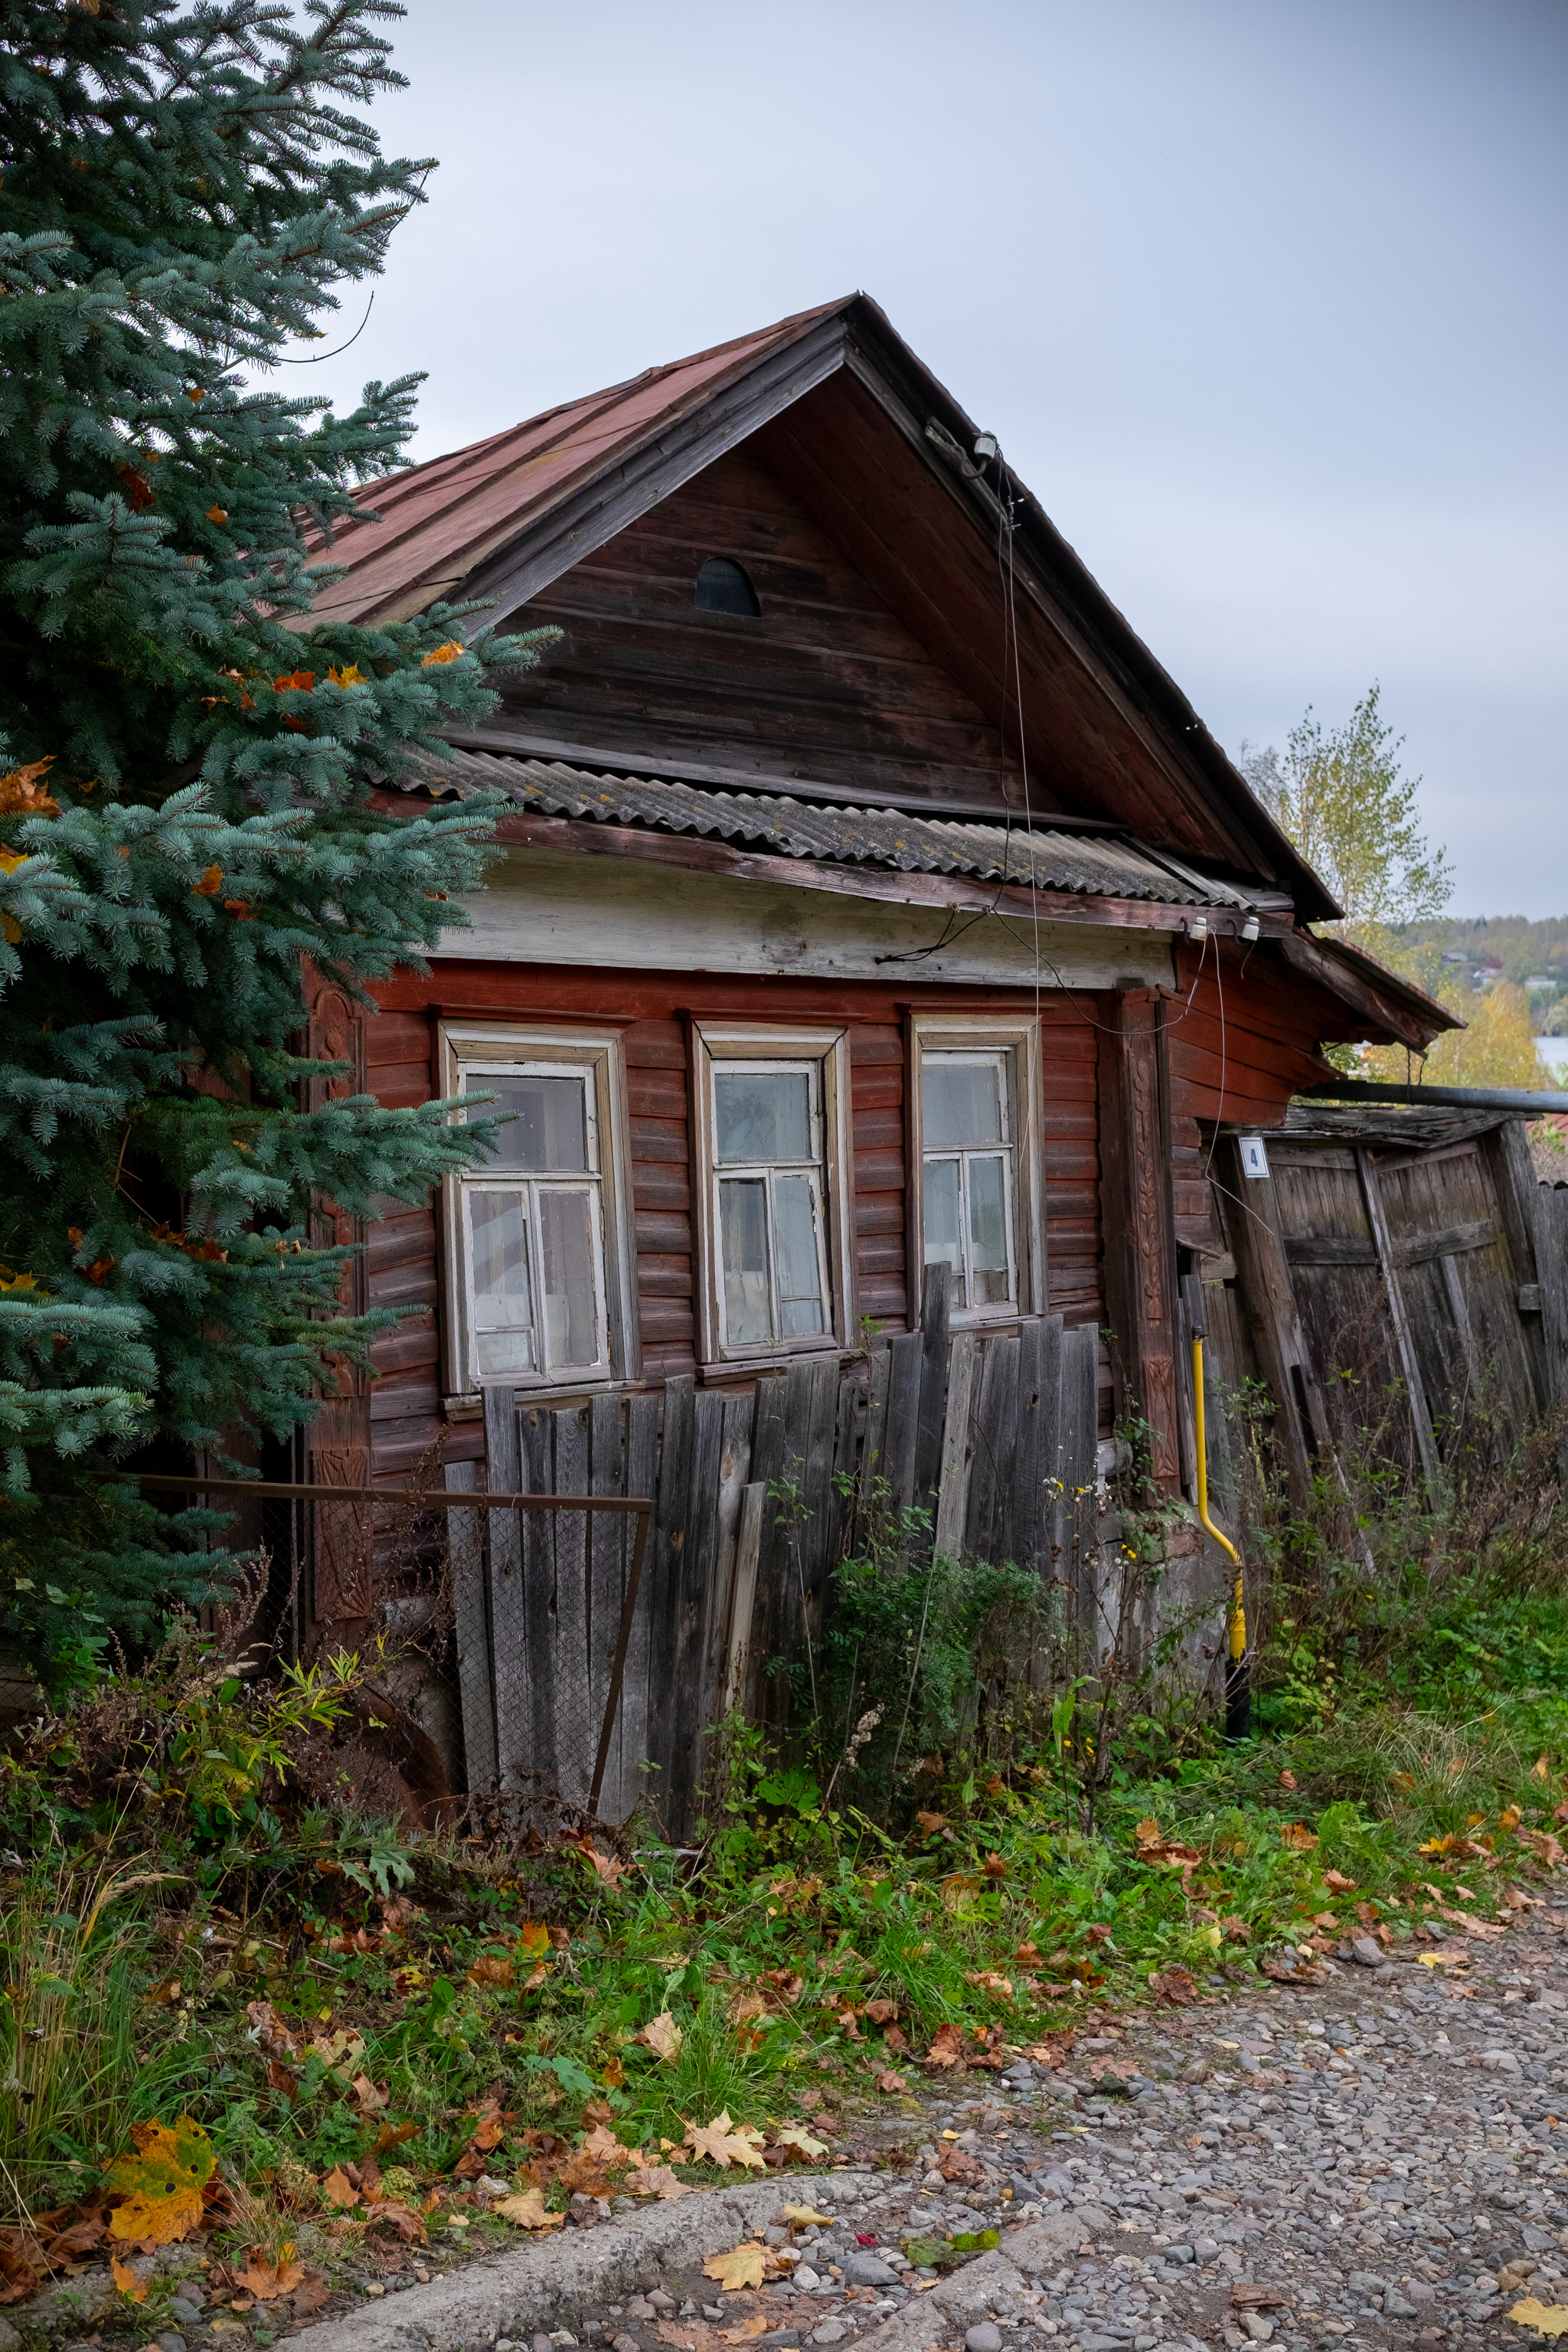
column 662, row 2035
column 931, row 1825
column 534, row 1940
column 660, row 2180
column 991, row 1980
column 338, row 2188
column 163, row 2183
column 796, row 2136
column 742, row 2266
column 266, row 2281
column 369, row 2096
column 889, row 2082
column 1337, row 1881
column 1297, row 1837
column 1546, row 2318
column 528, row 2212
column 490, row 1969
column 723, row 2142
column 126, row 2280
column 946, row 2047
column 602, row 2145
column 401, row 2216
column 1177, row 1986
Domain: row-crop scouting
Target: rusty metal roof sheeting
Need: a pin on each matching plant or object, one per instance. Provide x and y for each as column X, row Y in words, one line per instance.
column 437, row 521
column 1102, row 865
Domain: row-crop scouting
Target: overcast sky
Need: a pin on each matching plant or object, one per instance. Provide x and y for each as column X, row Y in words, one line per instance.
column 1264, row 298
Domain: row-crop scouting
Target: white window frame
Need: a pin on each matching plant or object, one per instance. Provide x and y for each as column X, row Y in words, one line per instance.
column 1019, row 1041
column 500, row 1050
column 824, row 1051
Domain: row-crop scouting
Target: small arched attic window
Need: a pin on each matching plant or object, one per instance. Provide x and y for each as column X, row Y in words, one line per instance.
column 724, row 587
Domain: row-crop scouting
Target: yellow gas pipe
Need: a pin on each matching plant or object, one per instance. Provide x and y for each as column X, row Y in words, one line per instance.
column 1238, row 1708
column 1237, row 1621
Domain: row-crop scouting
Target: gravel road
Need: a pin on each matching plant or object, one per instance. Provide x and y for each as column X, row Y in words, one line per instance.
column 1378, row 2159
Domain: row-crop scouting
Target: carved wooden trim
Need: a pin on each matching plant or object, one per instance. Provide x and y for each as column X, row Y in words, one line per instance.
column 341, row 1549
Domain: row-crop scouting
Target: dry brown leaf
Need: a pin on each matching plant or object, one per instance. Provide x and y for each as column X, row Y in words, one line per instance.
column 370, row 2096
column 266, row 2281
column 946, row 2047
column 528, row 2212
column 742, row 2266
column 338, row 2188
column 881, row 2012
column 1177, row 1986
column 1297, row 1837
column 491, row 1968
column 660, row 2180
column 1337, row 1883
column 723, row 2142
column 400, row 2216
column 1287, row 1778
column 931, row 1824
column 662, row 2035
column 889, row 2082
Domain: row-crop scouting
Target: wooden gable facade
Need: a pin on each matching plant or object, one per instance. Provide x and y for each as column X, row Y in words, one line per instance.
column 915, row 791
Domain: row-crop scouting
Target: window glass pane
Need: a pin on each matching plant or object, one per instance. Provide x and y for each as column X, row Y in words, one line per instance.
column 800, row 1274
column 503, row 1309
column 762, row 1115
column 988, row 1230
column 566, row 1247
column 547, row 1122
column 961, row 1102
column 944, row 1242
column 743, row 1219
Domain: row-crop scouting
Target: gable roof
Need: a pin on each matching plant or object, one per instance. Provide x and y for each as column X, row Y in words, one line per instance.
column 883, row 452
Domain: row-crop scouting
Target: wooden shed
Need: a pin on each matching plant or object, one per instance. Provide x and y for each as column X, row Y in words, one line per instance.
column 877, row 926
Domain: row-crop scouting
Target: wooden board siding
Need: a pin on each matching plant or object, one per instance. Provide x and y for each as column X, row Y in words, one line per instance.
column 1241, row 1041
column 650, row 1011
column 827, row 684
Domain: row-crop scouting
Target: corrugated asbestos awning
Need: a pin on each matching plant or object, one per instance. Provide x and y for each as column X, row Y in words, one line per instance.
column 1099, row 864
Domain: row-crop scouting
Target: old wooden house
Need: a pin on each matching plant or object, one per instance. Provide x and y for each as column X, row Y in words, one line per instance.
column 872, row 903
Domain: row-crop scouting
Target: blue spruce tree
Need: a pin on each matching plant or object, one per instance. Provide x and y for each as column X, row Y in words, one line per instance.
column 189, row 763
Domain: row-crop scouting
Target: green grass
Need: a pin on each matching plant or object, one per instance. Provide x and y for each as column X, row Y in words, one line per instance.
column 768, row 1958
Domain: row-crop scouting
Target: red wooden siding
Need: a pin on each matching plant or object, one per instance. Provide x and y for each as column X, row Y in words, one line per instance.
column 657, row 1062
column 1238, row 1051
column 1272, row 1021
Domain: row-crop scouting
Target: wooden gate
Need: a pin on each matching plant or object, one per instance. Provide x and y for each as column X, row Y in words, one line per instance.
column 1386, row 1278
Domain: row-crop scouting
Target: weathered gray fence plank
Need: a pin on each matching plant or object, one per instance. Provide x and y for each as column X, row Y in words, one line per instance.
column 607, row 1557
column 952, row 1473
column 576, row 1726
column 543, row 1760
column 935, row 1341
column 509, row 1630
column 674, row 1519
column 642, row 1478
column 476, row 1678
column 906, row 1364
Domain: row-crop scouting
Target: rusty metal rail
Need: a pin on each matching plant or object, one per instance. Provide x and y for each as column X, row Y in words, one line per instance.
column 441, row 1499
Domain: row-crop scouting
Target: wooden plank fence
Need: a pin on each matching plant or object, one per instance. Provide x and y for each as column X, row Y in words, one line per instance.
column 758, row 1493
